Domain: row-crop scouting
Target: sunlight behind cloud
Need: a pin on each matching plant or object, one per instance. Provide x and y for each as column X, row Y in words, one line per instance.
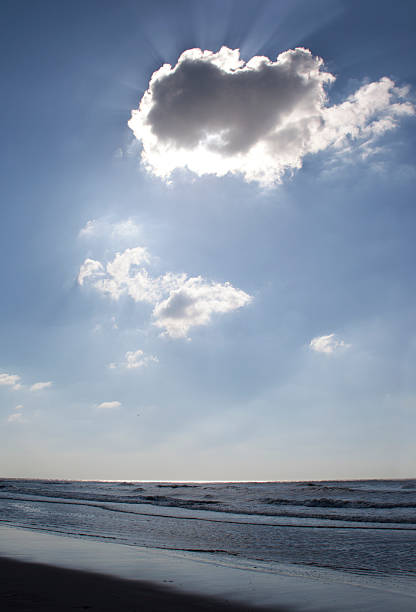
column 213, row 113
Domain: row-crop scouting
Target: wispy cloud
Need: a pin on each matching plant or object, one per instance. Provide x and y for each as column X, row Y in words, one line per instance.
column 16, row 417
column 213, row 113
column 180, row 302
column 108, row 405
column 327, row 344
column 97, row 228
column 10, row 380
column 89, row 229
column 39, row 386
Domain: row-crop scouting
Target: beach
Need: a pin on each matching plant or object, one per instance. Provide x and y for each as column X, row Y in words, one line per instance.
column 306, row 547
column 43, row 571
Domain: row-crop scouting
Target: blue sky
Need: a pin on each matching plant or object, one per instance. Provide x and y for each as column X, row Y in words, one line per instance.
column 258, row 321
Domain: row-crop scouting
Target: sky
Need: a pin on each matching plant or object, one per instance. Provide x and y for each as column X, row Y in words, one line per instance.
column 207, row 235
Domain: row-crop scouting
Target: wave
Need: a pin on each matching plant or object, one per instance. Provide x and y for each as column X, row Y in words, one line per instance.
column 324, row 502
column 292, row 500
column 330, row 518
column 177, row 486
column 320, row 487
column 163, row 500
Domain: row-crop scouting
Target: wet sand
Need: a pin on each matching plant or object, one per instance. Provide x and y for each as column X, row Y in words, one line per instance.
column 45, row 572
column 31, row 586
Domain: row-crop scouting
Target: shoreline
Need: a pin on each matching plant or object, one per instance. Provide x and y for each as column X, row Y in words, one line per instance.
column 41, row 567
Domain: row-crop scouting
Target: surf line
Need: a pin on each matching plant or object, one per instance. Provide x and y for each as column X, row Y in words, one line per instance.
column 199, row 518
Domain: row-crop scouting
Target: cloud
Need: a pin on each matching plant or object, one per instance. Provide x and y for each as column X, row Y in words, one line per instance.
column 213, row 113
column 125, row 229
column 103, row 227
column 10, row 380
column 89, row 267
column 16, row 418
column 194, row 303
column 19, row 407
column 179, row 302
column 136, row 359
column 108, row 405
column 89, row 229
column 39, row 386
column 327, row 344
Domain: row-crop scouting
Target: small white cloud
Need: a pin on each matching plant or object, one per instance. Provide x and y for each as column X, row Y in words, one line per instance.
column 213, row 113
column 134, row 360
column 19, row 407
column 16, row 418
column 10, row 380
column 138, row 359
column 108, row 405
column 39, row 386
column 327, row 344
column 179, row 302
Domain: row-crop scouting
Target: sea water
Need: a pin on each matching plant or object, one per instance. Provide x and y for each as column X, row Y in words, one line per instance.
column 365, row 530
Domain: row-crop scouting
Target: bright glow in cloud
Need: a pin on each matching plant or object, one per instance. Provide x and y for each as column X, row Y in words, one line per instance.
column 10, row 380
column 179, row 302
column 109, row 405
column 39, row 386
column 213, row 113
column 327, row 344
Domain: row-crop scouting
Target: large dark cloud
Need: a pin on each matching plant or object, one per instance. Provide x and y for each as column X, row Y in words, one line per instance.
column 213, row 113
column 199, row 97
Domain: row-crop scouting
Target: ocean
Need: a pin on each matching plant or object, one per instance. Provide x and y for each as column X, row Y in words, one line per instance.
column 365, row 530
